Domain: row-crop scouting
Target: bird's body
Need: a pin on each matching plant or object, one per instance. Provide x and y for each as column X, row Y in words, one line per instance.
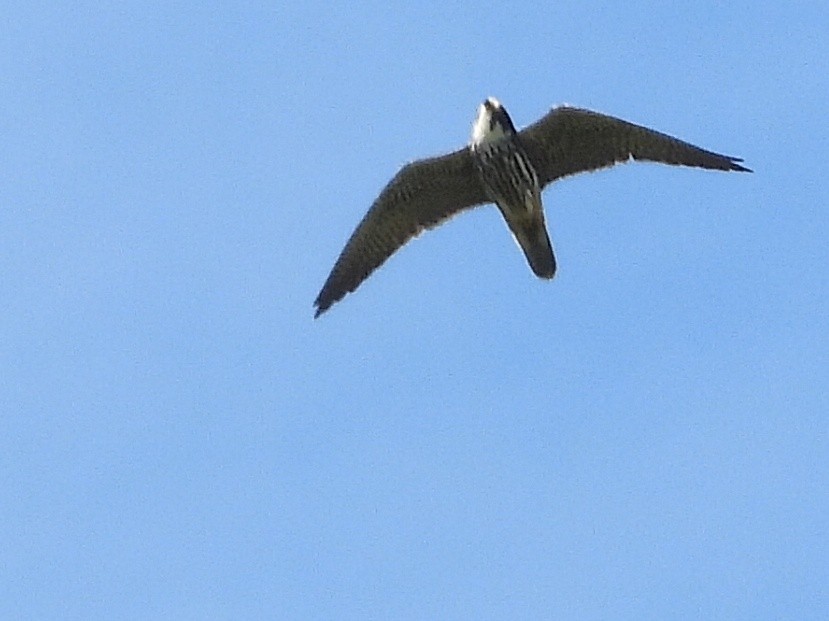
column 511, row 182
column 510, row 169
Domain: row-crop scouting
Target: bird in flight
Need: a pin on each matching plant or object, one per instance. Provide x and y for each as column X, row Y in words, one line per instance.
column 509, row 168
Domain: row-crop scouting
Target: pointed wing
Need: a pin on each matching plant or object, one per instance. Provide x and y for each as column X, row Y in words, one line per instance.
column 570, row 140
column 421, row 196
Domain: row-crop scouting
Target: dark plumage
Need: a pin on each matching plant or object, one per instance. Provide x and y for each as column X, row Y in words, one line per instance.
column 568, row 141
column 426, row 192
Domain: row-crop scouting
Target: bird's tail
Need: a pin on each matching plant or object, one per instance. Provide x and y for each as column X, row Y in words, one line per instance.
column 535, row 242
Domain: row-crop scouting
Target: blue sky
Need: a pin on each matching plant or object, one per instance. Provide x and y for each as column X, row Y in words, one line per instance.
column 644, row 437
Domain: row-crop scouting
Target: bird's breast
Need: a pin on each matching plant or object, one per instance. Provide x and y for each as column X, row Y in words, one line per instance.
column 508, row 176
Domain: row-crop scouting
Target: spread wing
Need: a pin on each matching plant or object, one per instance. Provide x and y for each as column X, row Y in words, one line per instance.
column 421, row 196
column 569, row 140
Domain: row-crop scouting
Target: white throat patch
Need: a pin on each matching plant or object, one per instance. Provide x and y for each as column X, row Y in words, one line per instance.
column 482, row 130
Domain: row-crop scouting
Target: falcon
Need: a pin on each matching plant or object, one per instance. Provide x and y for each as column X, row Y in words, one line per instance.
column 506, row 167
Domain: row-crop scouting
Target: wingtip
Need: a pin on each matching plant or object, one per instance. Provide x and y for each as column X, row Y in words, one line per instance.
column 736, row 165
column 326, row 299
column 319, row 308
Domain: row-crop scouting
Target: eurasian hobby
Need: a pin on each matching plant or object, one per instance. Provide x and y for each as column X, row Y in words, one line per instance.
column 508, row 168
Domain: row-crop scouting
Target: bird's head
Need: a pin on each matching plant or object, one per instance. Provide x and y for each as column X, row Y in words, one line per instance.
column 492, row 123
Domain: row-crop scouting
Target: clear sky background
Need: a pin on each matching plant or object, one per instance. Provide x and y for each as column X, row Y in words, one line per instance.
column 644, row 437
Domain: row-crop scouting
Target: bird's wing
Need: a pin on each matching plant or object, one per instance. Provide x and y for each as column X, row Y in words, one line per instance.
column 422, row 195
column 569, row 140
